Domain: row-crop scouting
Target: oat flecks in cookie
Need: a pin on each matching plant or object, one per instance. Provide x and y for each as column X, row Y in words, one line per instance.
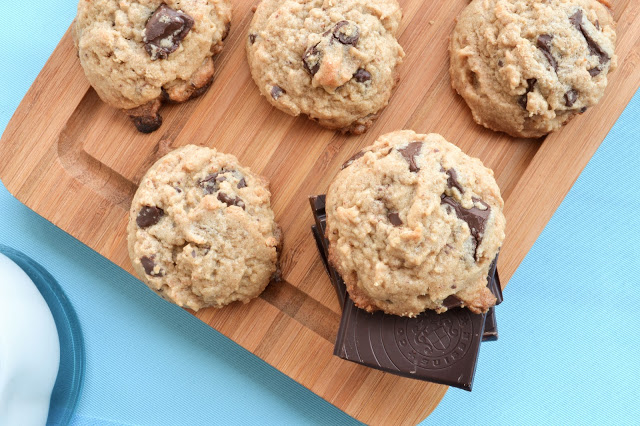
column 335, row 62
column 519, row 63
column 135, row 53
column 409, row 240
column 201, row 230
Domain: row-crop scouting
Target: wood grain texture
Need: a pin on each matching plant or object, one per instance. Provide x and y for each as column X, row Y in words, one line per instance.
column 77, row 162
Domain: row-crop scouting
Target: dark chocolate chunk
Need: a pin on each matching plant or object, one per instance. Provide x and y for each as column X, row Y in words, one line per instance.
column 394, row 218
column 576, row 19
column 452, row 180
column 252, row 38
column 441, row 348
column 210, row 183
column 147, row 123
column 311, row 59
column 229, row 201
column 595, row 71
column 522, row 100
column 362, row 75
column 149, row 215
column 597, row 25
column 352, row 159
column 452, row 301
column 277, row 91
column 544, row 44
column 346, row 32
column 475, row 218
column 148, row 263
column 164, row 31
column 570, row 97
column 410, row 152
column 583, row 109
column 594, row 47
column 500, row 63
column 242, row 183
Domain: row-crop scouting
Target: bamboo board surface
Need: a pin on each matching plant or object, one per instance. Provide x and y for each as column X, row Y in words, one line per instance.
column 77, row 162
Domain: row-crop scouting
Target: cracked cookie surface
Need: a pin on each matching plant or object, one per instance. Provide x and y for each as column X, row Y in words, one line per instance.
column 201, row 230
column 527, row 67
column 332, row 61
column 414, row 223
column 137, row 53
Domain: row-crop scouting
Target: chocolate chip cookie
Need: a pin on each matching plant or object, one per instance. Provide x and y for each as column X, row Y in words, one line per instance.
column 139, row 53
column 527, row 67
column 201, row 230
column 414, row 223
column 332, row 61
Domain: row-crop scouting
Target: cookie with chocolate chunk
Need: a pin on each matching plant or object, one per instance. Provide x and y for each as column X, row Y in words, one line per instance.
column 527, row 67
column 334, row 62
column 201, row 230
column 138, row 54
column 414, row 223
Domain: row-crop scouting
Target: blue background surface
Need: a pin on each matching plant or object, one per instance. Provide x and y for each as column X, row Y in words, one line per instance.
column 569, row 329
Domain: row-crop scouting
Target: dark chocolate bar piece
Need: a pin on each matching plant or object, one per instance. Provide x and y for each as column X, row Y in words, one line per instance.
column 441, row 348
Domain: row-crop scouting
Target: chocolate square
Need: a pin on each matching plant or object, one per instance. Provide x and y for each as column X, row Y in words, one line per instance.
column 441, row 348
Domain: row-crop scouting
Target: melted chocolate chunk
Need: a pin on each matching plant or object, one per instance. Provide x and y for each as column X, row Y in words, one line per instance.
column 352, row 159
column 277, row 91
column 149, row 215
column 522, row 100
column 164, row 31
column 394, row 218
column 570, row 97
column 410, row 152
column 544, row 44
column 362, row 75
column 147, row 123
column 210, row 183
column 149, row 264
column 252, row 38
column 475, row 218
column 576, row 19
column 594, row 71
column 311, row 60
column 346, row 33
column 242, row 183
column 594, row 47
column 452, row 180
column 452, row 301
column 229, row 201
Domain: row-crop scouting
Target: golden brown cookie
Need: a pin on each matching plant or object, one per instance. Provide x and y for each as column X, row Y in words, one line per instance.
column 201, row 230
column 414, row 223
column 139, row 53
column 335, row 62
column 526, row 67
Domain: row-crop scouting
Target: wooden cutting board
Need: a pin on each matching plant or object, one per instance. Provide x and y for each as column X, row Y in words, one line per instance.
column 77, row 162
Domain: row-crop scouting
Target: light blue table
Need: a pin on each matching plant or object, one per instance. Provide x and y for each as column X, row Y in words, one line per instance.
column 569, row 329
